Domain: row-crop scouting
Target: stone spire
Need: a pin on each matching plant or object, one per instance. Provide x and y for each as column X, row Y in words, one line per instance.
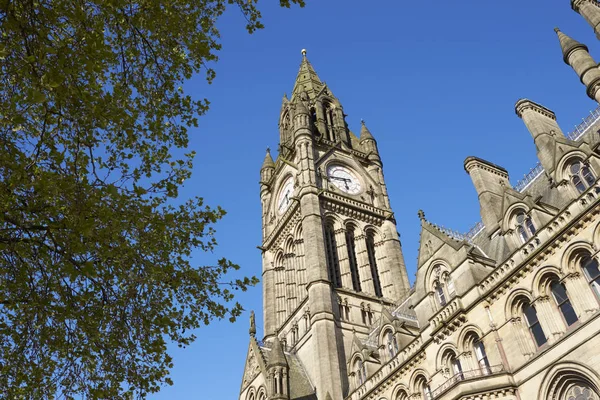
column 307, row 79
column 590, row 11
column 364, row 132
column 267, row 169
column 577, row 56
column 268, row 162
column 568, row 45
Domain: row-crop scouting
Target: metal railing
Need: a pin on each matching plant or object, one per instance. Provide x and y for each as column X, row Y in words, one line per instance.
column 465, row 376
column 585, row 124
column 530, row 177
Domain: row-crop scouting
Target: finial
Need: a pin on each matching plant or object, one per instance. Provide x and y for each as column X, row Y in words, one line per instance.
column 252, row 329
column 303, row 52
column 362, row 121
column 421, row 215
column 268, row 150
column 556, row 30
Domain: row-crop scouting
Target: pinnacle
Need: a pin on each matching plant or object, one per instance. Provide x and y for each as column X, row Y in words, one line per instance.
column 364, row 131
column 307, row 79
column 268, row 162
column 568, row 45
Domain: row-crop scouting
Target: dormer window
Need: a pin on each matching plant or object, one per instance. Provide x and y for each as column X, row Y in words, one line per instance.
column 524, row 226
column 581, row 176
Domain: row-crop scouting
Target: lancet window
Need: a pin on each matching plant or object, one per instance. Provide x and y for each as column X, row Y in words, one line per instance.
column 333, row 263
column 590, row 268
column 533, row 323
column 559, row 293
column 352, row 259
column 373, row 263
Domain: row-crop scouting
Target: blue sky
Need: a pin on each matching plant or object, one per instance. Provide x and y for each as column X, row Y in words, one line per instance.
column 435, row 82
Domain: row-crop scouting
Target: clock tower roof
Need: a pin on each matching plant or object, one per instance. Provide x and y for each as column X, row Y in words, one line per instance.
column 307, row 79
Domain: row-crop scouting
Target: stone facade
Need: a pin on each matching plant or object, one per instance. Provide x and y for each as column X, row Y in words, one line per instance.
column 510, row 310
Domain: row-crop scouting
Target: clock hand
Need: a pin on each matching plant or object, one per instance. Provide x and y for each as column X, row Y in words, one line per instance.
column 340, row 179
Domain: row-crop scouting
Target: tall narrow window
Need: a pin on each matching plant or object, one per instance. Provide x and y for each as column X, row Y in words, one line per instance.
column 456, row 368
column 559, row 292
column 392, row 344
column 373, row 263
column 525, row 227
column 361, row 372
column 581, row 176
column 534, row 325
column 439, row 290
column 426, row 391
column 333, row 263
column 592, row 272
column 482, row 359
column 352, row 260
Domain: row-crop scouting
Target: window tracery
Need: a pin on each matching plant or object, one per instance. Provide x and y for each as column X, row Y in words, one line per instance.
column 581, row 176
column 524, row 226
column 443, row 286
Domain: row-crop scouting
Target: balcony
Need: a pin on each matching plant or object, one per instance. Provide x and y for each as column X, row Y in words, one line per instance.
column 467, row 376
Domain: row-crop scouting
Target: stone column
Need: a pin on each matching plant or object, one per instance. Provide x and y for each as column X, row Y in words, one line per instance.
column 364, row 267
column 582, row 298
column 524, row 338
column 548, row 317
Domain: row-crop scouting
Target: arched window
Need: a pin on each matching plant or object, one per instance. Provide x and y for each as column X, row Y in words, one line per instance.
column 559, row 292
column 329, row 119
column 524, row 226
column 392, row 344
column 333, row 263
column 361, row 372
column 424, row 388
column 481, row 356
column 441, row 296
column 581, row 176
column 534, row 325
column 401, row 395
column 352, row 259
column 373, row 264
column 589, row 265
column 313, row 121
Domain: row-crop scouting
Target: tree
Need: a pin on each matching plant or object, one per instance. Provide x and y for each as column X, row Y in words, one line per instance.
column 95, row 270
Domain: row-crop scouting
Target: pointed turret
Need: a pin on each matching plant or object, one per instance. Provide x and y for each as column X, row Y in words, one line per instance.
column 364, row 132
column 369, row 144
column 268, row 166
column 278, row 371
column 590, row 11
column 307, row 79
column 577, row 56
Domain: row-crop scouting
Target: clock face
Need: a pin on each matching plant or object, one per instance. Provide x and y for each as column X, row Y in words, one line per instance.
column 344, row 179
column 285, row 195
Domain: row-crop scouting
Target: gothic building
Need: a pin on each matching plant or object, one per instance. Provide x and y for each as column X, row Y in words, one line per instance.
column 510, row 310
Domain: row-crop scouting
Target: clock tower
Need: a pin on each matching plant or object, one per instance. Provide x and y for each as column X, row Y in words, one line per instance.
column 332, row 258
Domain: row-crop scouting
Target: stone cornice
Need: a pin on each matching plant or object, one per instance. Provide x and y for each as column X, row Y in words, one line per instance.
column 354, row 208
column 286, row 223
column 525, row 104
